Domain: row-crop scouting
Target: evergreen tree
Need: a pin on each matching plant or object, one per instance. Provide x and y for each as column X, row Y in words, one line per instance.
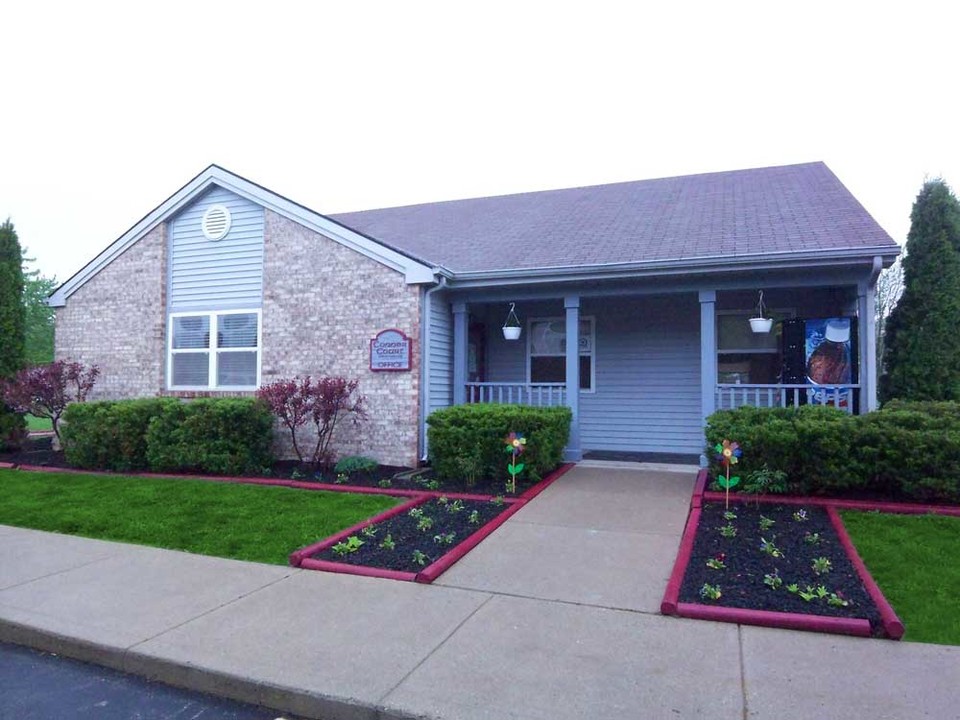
column 38, row 333
column 923, row 331
column 12, row 326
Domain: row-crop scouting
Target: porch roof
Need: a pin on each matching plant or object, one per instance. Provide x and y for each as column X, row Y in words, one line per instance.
column 766, row 212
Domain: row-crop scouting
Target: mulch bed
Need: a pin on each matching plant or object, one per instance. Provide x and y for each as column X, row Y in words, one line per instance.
column 798, row 542
column 412, row 540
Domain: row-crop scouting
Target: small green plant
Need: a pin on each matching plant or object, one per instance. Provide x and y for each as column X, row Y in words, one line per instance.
column 415, row 512
column 354, row 464
column 385, row 483
column 728, row 530
column 474, row 517
column 297, row 474
column 419, row 558
column 446, row 539
column 773, row 580
column 387, row 543
column 821, row 565
column 424, row 523
column 710, row 592
column 442, row 500
column 837, row 600
column 717, row 562
column 498, row 501
column 807, row 594
column 729, row 515
column 793, row 588
column 801, row 515
column 341, row 478
column 428, row 483
column 370, row 531
column 350, row 545
column 811, row 538
column 770, row 548
column 763, row 481
column 455, row 507
column 766, row 523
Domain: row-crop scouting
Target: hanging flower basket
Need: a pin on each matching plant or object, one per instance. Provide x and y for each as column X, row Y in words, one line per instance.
column 761, row 324
column 511, row 326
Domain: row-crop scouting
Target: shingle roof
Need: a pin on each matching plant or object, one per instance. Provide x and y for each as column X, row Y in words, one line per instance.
column 791, row 208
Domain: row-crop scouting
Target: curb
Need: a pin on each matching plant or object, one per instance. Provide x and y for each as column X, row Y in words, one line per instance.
column 191, row 677
column 767, row 618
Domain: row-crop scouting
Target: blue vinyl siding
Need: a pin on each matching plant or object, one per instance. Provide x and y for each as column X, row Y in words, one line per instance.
column 441, row 353
column 224, row 274
column 648, row 376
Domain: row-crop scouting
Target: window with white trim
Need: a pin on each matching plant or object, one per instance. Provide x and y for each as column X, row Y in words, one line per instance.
column 743, row 356
column 214, row 350
column 547, row 348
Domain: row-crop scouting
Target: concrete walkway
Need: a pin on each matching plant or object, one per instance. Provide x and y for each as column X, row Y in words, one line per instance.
column 552, row 617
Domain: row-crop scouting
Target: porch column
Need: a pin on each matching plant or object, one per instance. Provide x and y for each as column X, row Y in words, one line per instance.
column 571, row 303
column 460, row 322
column 866, row 311
column 708, row 351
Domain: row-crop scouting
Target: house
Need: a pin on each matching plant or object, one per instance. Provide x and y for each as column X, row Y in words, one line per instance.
column 633, row 301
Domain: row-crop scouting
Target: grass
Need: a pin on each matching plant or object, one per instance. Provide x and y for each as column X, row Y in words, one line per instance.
column 35, row 424
column 245, row 522
column 914, row 559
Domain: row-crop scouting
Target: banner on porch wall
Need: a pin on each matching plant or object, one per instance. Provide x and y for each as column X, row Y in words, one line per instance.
column 390, row 351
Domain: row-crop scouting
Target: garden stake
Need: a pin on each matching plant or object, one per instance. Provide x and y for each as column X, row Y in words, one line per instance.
column 728, row 453
column 515, row 445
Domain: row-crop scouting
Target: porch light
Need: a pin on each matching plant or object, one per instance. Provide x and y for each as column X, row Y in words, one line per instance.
column 511, row 326
column 761, row 324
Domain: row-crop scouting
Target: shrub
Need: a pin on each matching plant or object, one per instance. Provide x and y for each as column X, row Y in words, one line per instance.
column 229, row 436
column 324, row 403
column 110, row 435
column 355, row 464
column 911, row 449
column 473, row 436
column 44, row 391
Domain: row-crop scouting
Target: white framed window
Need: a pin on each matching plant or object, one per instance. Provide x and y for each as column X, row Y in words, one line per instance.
column 746, row 357
column 217, row 350
column 547, row 348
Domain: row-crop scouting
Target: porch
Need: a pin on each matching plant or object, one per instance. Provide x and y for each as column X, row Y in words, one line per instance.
column 649, row 364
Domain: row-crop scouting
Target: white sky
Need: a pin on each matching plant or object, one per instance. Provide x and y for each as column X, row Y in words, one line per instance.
column 108, row 109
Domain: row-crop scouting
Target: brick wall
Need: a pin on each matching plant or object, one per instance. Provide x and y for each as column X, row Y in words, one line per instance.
column 116, row 320
column 322, row 304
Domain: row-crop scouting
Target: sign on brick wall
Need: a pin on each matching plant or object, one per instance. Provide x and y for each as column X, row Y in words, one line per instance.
column 390, row 351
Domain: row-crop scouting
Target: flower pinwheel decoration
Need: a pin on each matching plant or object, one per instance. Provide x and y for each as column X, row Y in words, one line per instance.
column 728, row 453
column 516, row 443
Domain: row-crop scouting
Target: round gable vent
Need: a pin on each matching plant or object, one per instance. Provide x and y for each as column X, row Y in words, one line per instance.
column 216, row 222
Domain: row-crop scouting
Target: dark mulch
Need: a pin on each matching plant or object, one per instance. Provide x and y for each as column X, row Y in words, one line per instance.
column 742, row 581
column 36, row 450
column 453, row 521
column 425, row 480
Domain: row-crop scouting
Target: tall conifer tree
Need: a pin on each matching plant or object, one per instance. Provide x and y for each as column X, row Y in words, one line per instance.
column 923, row 331
column 12, row 325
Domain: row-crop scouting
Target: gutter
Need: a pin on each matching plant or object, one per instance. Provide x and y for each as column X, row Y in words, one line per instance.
column 441, row 276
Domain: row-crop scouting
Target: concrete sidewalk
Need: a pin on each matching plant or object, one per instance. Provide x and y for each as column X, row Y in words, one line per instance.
column 554, row 616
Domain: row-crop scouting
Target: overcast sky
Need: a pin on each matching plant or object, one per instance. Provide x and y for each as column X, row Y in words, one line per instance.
column 107, row 110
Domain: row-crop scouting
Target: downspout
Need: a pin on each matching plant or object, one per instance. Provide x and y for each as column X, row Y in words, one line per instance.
column 425, row 358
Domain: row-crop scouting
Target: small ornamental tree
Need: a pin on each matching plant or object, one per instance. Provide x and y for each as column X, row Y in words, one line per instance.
column 324, row 403
column 12, row 320
column 44, row 391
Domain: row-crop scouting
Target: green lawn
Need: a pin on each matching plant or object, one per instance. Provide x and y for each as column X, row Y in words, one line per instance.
column 35, row 424
column 915, row 560
column 245, row 522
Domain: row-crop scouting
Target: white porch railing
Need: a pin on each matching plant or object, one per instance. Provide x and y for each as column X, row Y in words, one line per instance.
column 541, row 394
column 732, row 396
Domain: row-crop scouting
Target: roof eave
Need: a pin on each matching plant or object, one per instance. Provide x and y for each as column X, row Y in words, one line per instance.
column 680, row 266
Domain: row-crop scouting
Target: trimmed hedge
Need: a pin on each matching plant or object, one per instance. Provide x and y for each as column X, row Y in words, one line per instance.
column 110, row 435
column 905, row 449
column 470, row 439
column 229, row 436
column 223, row 436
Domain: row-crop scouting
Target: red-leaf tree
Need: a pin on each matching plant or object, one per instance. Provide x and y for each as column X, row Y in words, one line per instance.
column 324, row 402
column 44, row 391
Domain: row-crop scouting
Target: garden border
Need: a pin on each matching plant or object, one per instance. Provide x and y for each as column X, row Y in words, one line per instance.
column 892, row 625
